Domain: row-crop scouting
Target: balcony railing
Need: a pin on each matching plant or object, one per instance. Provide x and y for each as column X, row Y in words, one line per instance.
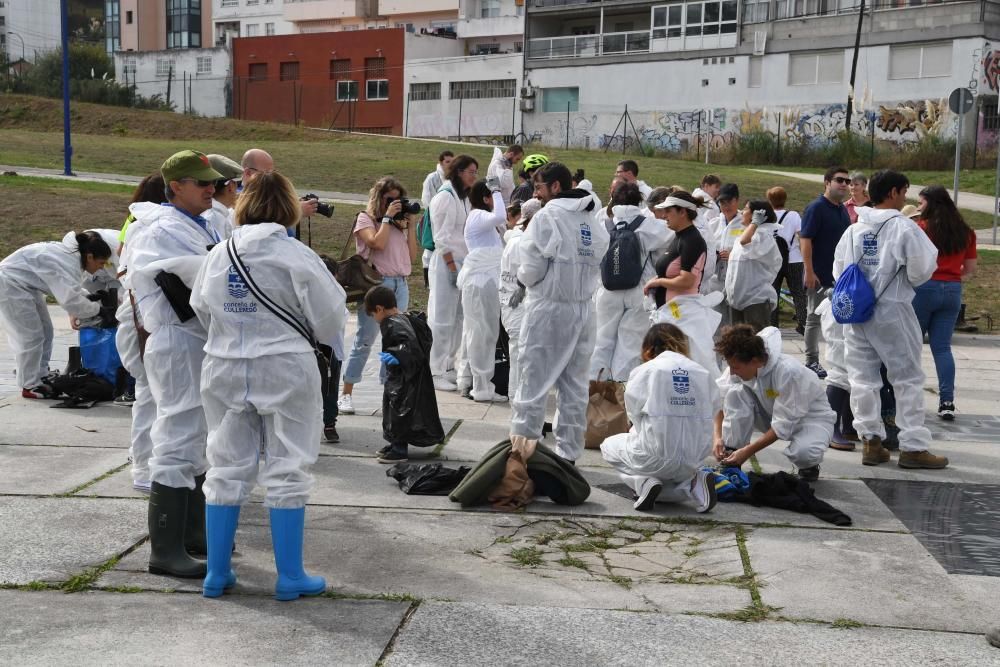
column 582, row 46
column 636, row 41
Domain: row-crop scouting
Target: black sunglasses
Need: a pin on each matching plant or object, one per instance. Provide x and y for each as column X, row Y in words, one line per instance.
column 842, row 180
column 201, row 184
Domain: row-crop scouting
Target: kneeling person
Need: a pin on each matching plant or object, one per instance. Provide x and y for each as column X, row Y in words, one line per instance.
column 671, row 402
column 774, row 393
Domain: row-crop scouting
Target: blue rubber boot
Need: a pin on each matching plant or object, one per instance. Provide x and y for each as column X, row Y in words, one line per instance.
column 220, row 532
column 286, row 539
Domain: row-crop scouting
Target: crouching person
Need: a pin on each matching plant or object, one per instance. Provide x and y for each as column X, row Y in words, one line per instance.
column 671, row 402
column 774, row 393
column 265, row 299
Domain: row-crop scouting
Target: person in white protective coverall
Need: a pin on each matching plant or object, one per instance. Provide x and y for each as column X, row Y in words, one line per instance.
column 163, row 260
column 479, row 281
column 259, row 381
column 628, row 171
column 726, row 230
column 560, row 256
column 679, row 276
column 622, row 315
column 448, row 210
column 226, row 193
column 707, row 192
column 838, row 386
column 432, row 182
column 26, row 276
column 895, row 255
column 753, row 265
column 582, row 183
column 146, row 199
column 107, row 276
column 501, row 169
column 671, row 402
column 774, row 393
column 511, row 292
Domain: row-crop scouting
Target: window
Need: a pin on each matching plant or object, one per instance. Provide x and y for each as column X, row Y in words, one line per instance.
column 252, row 29
column 484, row 49
column 128, row 17
column 340, row 69
column 807, row 69
column 251, row 3
column 991, row 117
column 920, row 62
column 129, row 66
column 268, row 28
column 555, row 100
column 268, row 2
column 203, row 65
column 112, row 25
column 164, row 67
column 755, row 11
column 374, row 68
column 183, row 24
column 347, row 91
column 756, row 69
column 288, row 71
column 230, row 3
column 425, row 91
column 695, row 18
column 489, row 9
column 476, row 90
column 377, row 89
column 518, row 47
column 258, row 72
column 350, row 28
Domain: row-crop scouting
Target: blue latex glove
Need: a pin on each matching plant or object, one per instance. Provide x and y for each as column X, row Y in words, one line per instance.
column 388, row 358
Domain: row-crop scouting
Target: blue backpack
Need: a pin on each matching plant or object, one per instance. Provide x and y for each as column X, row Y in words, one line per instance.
column 853, row 299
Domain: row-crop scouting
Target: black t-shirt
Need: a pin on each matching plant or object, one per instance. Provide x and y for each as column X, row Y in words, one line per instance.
column 688, row 246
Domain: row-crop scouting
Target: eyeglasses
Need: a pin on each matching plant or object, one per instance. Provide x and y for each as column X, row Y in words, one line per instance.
column 472, row 171
column 201, row 184
column 843, row 180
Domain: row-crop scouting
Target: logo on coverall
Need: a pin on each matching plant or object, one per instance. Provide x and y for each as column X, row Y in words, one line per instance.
column 869, row 249
column 586, row 240
column 682, row 385
column 238, row 290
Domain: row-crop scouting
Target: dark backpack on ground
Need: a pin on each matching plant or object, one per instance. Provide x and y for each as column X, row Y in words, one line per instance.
column 82, row 388
column 782, row 246
column 501, row 365
column 622, row 266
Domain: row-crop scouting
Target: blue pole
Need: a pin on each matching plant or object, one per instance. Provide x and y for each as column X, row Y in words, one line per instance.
column 67, row 145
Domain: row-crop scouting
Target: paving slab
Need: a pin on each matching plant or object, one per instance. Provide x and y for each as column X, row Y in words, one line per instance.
column 430, row 555
column 52, row 539
column 30, row 470
column 874, row 578
column 35, row 422
column 86, row 629
column 491, row 634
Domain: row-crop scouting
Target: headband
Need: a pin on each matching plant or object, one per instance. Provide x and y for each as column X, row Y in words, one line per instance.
column 674, row 201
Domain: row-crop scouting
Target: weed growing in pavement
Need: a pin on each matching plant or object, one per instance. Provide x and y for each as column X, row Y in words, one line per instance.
column 527, row 556
column 571, row 561
column 846, row 624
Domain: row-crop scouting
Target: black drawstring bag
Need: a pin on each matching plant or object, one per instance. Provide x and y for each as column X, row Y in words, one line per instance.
column 426, row 479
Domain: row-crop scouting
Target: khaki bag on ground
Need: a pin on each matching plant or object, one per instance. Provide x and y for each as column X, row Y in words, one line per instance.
column 606, row 414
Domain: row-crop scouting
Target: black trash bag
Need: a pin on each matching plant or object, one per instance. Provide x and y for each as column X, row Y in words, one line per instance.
column 426, row 479
column 82, row 389
column 501, row 365
column 409, row 406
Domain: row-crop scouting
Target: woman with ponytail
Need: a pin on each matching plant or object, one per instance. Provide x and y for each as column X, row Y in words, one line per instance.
column 26, row 277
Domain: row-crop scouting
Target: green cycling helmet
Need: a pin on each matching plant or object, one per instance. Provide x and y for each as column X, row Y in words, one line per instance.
column 534, row 161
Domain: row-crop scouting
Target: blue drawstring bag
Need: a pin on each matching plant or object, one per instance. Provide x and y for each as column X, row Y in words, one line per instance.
column 853, row 299
column 98, row 352
column 730, row 483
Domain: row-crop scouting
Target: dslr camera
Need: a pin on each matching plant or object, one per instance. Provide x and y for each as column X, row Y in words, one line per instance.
column 409, row 207
column 322, row 207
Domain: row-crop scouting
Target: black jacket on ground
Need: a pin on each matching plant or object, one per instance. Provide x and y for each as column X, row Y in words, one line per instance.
column 785, row 491
column 409, row 406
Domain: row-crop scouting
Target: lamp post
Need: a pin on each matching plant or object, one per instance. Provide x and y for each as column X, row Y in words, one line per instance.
column 22, row 43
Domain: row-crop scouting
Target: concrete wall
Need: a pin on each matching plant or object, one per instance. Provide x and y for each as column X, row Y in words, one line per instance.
column 670, row 107
column 37, row 23
column 485, row 118
column 208, row 93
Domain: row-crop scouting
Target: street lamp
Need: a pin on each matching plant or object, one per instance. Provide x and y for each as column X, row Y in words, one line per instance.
column 22, row 43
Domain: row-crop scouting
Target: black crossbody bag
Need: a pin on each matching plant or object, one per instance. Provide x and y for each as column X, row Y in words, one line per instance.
column 322, row 360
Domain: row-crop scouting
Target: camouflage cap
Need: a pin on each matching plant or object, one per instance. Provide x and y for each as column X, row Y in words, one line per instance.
column 189, row 164
column 231, row 171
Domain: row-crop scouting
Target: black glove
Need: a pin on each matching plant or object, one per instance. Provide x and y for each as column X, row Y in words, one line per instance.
column 97, row 296
column 517, row 297
column 178, row 294
column 108, row 319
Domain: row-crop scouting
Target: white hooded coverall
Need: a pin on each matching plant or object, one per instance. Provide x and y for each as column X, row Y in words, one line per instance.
column 727, row 235
column 444, row 303
column 833, row 334
column 785, row 396
column 259, row 381
column 432, row 182
column 26, row 276
column 671, row 402
column 622, row 318
column 696, row 316
column 478, row 281
column 501, row 170
column 175, row 243
column 560, row 255
column 900, row 258
column 752, row 269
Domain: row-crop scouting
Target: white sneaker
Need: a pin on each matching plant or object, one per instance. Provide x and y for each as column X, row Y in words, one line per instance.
column 345, row 404
column 142, row 486
column 703, row 491
column 451, row 375
column 495, row 398
column 648, row 492
column 442, row 383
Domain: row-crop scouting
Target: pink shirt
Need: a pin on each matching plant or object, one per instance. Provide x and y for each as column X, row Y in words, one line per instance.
column 394, row 259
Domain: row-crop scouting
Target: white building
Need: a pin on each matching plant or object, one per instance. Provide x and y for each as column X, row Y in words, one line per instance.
column 248, row 18
column 195, row 80
column 491, row 26
column 31, row 27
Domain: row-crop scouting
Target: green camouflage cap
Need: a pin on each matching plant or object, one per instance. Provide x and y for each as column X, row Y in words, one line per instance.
column 229, row 169
column 189, row 164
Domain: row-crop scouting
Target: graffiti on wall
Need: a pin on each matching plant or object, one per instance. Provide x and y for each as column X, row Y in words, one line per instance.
column 912, row 120
column 991, row 70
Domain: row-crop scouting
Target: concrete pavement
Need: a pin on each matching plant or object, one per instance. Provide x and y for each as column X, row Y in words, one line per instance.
column 415, row 580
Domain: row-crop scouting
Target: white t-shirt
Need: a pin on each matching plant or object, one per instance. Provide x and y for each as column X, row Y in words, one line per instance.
column 789, row 230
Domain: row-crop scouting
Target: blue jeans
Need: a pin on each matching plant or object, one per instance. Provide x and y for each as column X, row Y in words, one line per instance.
column 936, row 304
column 368, row 329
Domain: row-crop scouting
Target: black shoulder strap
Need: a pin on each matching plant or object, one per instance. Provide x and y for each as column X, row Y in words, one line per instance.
column 782, row 217
column 638, row 220
column 278, row 311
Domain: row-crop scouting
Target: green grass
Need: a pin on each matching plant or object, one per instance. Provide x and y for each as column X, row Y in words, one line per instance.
column 527, row 556
column 980, row 180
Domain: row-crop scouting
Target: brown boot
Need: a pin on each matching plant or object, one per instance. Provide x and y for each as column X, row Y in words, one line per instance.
column 874, row 453
column 922, row 459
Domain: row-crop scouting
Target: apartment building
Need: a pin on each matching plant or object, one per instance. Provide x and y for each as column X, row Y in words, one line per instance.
column 155, row 25
column 695, row 71
column 248, row 18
